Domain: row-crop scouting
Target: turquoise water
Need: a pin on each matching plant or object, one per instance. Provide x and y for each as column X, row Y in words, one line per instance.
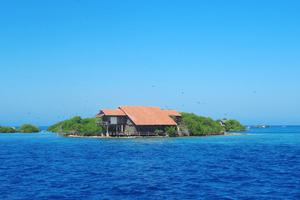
column 261, row 164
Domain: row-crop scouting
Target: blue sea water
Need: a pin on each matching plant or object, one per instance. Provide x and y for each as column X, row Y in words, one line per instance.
column 261, row 164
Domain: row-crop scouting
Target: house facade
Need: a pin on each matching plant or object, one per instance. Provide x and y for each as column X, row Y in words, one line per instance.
column 138, row 121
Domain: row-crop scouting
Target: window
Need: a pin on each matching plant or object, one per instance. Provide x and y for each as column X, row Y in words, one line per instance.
column 113, row 120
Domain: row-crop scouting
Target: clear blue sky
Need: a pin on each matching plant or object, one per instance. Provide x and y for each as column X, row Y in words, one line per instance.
column 237, row 59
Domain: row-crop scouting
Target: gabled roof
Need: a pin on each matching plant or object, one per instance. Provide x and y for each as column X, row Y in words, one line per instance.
column 173, row 113
column 112, row 112
column 141, row 115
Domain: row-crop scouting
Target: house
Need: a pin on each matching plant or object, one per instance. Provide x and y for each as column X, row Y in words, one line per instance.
column 138, row 120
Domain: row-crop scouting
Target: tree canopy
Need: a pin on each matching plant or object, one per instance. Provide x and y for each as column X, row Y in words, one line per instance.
column 25, row 128
column 6, row 129
column 77, row 125
column 28, row 128
column 198, row 125
column 233, row 125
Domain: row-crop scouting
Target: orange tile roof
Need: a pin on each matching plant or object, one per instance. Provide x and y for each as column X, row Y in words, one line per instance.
column 112, row 112
column 141, row 115
column 173, row 113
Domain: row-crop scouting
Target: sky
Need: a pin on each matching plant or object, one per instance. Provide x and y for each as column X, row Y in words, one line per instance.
column 233, row 59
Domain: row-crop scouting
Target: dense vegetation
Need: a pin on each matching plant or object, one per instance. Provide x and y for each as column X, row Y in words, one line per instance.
column 6, row 129
column 233, row 126
column 191, row 123
column 199, row 126
column 171, row 131
column 78, row 126
column 25, row 128
column 28, row 128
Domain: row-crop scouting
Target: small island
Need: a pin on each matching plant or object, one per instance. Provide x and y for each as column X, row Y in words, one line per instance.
column 25, row 128
column 28, row 128
column 137, row 121
column 7, row 129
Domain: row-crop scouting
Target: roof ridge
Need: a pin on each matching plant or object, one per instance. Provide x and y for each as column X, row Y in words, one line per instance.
column 146, row 115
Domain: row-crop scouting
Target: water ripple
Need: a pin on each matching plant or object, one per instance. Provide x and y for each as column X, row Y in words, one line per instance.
column 259, row 166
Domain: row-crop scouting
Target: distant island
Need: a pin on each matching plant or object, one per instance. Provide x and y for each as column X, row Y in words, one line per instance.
column 25, row 128
column 145, row 121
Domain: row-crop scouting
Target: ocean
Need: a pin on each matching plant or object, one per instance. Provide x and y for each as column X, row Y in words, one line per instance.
column 258, row 164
